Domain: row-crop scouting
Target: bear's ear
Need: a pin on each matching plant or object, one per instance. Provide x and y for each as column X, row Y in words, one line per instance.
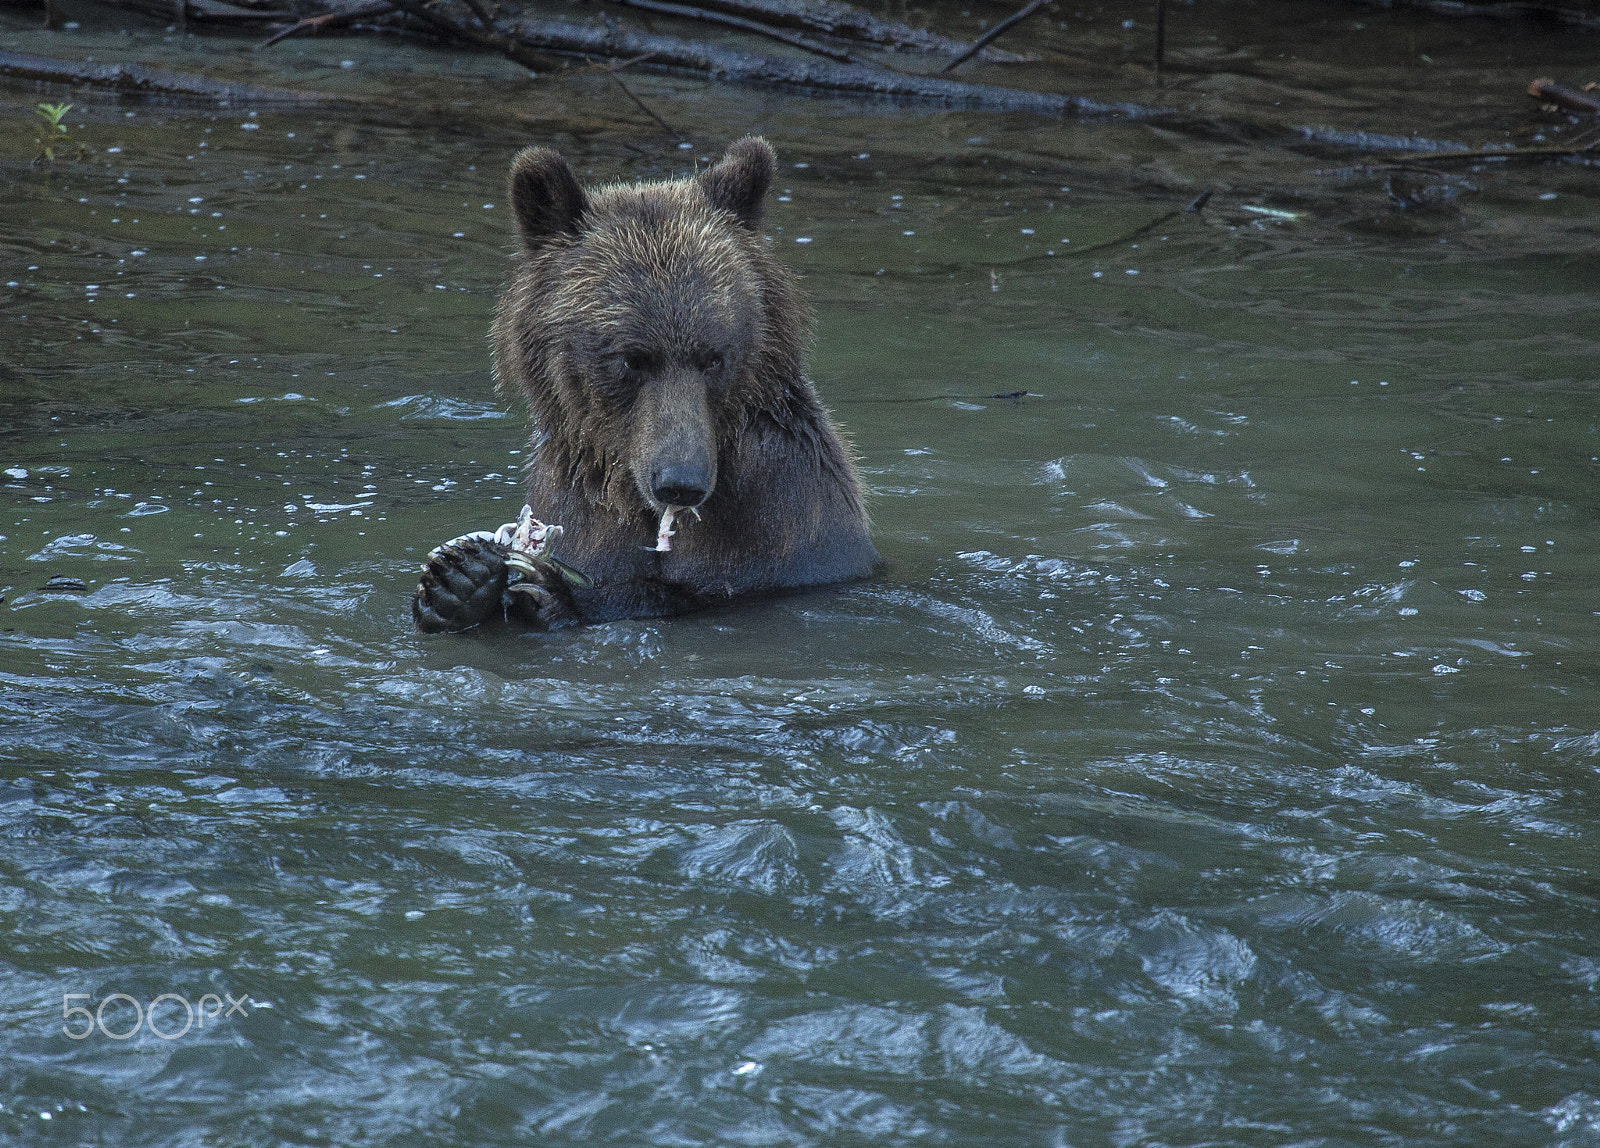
column 545, row 197
column 738, row 182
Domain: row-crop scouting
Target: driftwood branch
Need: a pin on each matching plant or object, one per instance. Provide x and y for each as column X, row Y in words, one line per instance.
column 847, row 22
column 491, row 38
column 205, row 11
column 1505, row 153
column 1161, row 40
column 1587, row 144
column 340, row 19
column 729, row 65
column 1504, row 10
column 1139, row 232
column 743, row 25
column 616, row 68
column 1577, row 99
column 536, row 43
column 763, row 17
column 1005, row 25
column 1375, row 141
column 140, row 80
column 482, row 16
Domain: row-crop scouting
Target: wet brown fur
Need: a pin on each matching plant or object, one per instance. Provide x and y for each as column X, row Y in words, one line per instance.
column 648, row 325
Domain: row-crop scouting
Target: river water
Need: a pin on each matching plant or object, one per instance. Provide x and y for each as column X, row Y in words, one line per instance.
column 1215, row 763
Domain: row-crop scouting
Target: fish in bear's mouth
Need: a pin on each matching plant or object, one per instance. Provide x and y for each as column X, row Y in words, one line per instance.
column 664, row 531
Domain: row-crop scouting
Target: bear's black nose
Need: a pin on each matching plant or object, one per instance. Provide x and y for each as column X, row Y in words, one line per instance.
column 681, row 485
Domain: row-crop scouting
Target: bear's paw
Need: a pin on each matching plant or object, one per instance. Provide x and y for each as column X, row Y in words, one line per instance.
column 463, row 583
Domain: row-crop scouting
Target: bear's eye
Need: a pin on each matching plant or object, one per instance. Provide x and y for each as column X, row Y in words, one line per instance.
column 708, row 360
column 636, row 359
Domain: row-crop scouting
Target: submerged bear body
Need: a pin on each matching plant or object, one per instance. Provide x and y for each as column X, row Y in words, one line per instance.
column 676, row 439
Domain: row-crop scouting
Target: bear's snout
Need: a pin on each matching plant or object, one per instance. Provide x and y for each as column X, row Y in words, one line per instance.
column 676, row 448
column 681, row 484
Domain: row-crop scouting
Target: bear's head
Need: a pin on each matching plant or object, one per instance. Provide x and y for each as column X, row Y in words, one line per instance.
column 648, row 324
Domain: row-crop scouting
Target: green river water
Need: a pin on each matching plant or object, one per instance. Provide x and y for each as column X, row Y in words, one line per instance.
column 1216, row 763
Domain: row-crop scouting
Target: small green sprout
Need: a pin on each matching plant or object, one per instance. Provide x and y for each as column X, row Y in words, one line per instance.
column 52, row 133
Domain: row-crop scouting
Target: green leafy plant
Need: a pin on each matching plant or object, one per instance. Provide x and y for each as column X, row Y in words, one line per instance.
column 52, row 132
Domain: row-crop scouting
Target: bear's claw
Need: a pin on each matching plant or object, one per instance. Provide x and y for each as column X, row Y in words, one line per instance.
column 465, row 579
column 462, row 584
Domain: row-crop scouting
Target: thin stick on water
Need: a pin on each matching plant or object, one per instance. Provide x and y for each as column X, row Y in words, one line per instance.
column 483, row 17
column 331, row 20
column 983, row 41
column 1161, row 38
column 643, row 107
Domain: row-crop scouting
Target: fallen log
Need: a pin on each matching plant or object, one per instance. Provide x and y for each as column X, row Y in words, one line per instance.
column 1424, row 161
column 847, row 22
column 535, row 44
column 1506, row 154
column 530, row 43
column 526, row 41
column 139, row 80
column 761, row 17
column 1504, row 10
column 207, row 11
column 341, row 18
column 1376, row 141
column 729, row 65
column 489, row 37
column 739, row 22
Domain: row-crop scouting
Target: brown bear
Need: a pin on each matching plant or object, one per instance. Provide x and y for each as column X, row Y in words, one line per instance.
column 675, row 436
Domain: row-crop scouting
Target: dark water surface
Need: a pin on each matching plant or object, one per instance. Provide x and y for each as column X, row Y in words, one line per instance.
column 1216, row 764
